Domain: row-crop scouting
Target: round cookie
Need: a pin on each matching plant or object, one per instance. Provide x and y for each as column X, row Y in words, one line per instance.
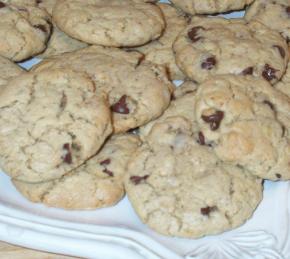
column 284, row 84
column 160, row 51
column 24, row 31
column 95, row 184
column 138, row 91
column 246, row 122
column 8, row 70
column 273, row 13
column 217, row 46
column 51, row 122
column 112, row 23
column 180, row 188
column 59, row 42
column 210, row 6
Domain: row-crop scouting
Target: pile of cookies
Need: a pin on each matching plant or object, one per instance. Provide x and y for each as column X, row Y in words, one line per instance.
column 100, row 116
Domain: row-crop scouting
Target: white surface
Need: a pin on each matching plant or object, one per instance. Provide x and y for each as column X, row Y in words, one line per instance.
column 116, row 232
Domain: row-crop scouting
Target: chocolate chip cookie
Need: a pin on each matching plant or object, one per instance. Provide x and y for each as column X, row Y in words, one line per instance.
column 210, row 6
column 8, row 70
column 217, row 46
column 138, row 91
column 95, row 184
column 51, row 122
column 160, row 51
column 244, row 120
column 24, row 31
column 112, row 23
column 180, row 188
column 273, row 13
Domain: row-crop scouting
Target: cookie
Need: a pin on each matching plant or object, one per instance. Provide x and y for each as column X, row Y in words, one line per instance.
column 24, row 31
column 185, row 88
column 284, row 84
column 273, row 13
column 160, row 51
column 210, row 6
column 180, row 188
column 110, row 23
column 95, row 184
column 59, row 42
column 138, row 91
column 217, row 46
column 51, row 122
column 245, row 121
column 8, row 70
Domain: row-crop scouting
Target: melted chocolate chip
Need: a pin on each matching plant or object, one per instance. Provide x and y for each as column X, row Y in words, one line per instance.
column 105, row 162
column 108, row 172
column 283, row 131
column 201, row 139
column 271, row 105
column 40, row 27
column 121, row 106
column 207, row 210
column 278, row 176
column 2, row 5
column 192, row 33
column 39, row 1
column 288, row 10
column 67, row 158
column 281, row 50
column 137, row 179
column 248, row 71
column 269, row 72
column 209, row 63
column 214, row 119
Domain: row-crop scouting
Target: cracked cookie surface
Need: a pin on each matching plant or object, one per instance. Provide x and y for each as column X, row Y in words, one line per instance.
column 111, row 23
column 179, row 188
column 138, row 92
column 246, row 122
column 160, row 51
column 273, row 13
column 217, row 46
column 96, row 183
column 8, row 70
column 51, row 122
column 210, row 6
column 24, row 31
column 284, row 84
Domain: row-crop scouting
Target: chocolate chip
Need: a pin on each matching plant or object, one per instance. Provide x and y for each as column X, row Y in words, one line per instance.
column 2, row 5
column 278, row 176
column 214, row 119
column 108, row 172
column 137, row 179
column 39, row 1
column 269, row 72
column 207, row 210
column 201, row 139
column 209, row 63
column 283, row 131
column 105, row 162
column 121, row 106
column 248, row 71
column 67, row 158
column 192, row 33
column 40, row 27
column 271, row 105
column 63, row 101
column 288, row 10
column 281, row 50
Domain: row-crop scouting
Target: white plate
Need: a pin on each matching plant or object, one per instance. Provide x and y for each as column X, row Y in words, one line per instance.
column 117, row 232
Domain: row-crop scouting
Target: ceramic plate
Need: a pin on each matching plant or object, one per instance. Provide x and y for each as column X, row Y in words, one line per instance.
column 117, row 232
